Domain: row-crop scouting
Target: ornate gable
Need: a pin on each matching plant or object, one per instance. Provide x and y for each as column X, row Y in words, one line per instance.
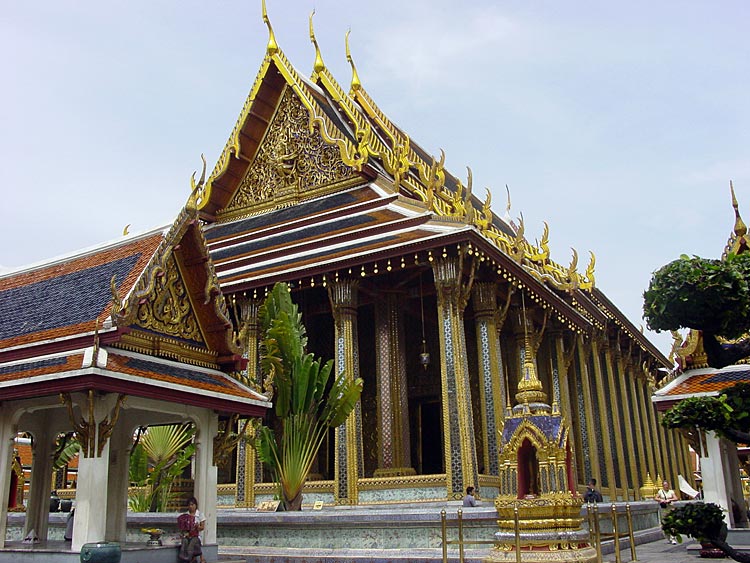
column 293, row 163
column 176, row 309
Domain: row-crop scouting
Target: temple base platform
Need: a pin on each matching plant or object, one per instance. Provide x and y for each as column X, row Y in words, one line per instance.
column 365, row 534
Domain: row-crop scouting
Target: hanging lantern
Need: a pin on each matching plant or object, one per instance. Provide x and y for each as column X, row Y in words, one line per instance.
column 424, row 355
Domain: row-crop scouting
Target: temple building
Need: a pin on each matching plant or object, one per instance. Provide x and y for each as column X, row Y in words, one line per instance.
column 412, row 282
column 402, row 274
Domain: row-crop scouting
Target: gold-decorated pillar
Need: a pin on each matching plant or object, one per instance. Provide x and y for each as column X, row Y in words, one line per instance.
column 586, row 399
column 562, row 357
column 628, row 416
column 606, row 432
column 248, row 464
column 616, row 405
column 394, row 455
column 458, row 423
column 642, row 467
column 349, row 461
column 492, row 390
column 644, row 404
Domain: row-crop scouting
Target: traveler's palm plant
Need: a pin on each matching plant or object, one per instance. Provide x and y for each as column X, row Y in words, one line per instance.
column 156, row 461
column 304, row 402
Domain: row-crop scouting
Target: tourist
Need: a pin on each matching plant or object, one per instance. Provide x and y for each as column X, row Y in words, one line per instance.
column 191, row 524
column 665, row 497
column 591, row 494
column 469, row 499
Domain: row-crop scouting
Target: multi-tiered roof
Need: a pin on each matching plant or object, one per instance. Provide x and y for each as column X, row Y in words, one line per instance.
column 315, row 180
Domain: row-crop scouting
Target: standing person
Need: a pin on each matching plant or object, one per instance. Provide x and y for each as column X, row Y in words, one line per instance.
column 469, row 499
column 591, row 494
column 665, row 497
column 191, row 524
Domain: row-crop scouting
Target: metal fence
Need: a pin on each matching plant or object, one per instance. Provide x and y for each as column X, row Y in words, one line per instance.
column 596, row 536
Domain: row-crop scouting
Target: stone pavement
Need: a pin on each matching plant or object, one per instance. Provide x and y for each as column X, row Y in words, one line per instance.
column 661, row 551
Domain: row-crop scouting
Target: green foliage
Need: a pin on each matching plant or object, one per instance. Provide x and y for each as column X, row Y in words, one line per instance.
column 737, row 401
column 702, row 294
column 708, row 413
column 159, row 457
column 66, row 448
column 728, row 414
column 702, row 521
column 304, row 401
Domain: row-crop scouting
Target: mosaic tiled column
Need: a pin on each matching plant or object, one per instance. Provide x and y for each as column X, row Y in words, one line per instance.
column 653, row 429
column 458, row 422
column 604, row 422
column 349, row 461
column 587, row 400
column 492, row 382
column 562, row 358
column 615, row 418
column 649, row 440
column 248, row 465
column 626, row 411
column 394, row 456
column 639, row 432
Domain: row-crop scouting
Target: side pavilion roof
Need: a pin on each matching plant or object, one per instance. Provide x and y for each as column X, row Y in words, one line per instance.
column 141, row 316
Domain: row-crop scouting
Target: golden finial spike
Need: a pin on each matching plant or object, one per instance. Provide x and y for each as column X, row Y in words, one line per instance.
column 529, row 387
column 318, row 66
column 740, row 229
column 272, row 48
column 126, row 230
column 356, row 84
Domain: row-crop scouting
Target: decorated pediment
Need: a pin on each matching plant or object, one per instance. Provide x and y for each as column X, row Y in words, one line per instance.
column 293, row 162
column 176, row 309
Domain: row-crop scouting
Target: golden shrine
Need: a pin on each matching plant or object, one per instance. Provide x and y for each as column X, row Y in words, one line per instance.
column 412, row 282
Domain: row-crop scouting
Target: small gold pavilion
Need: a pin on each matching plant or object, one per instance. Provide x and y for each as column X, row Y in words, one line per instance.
column 411, row 281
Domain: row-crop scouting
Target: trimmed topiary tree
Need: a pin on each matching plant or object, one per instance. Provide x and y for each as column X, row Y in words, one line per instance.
column 712, row 296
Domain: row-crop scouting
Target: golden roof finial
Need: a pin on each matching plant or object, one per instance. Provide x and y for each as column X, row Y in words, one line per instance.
column 126, row 230
column 740, row 229
column 318, row 66
column 356, row 84
column 272, row 47
column 529, row 387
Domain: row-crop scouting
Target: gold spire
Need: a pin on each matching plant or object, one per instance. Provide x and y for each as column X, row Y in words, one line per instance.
column 356, row 84
column 740, row 229
column 529, row 386
column 318, row 66
column 272, row 48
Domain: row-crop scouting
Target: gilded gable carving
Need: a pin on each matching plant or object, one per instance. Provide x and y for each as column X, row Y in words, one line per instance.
column 166, row 308
column 291, row 160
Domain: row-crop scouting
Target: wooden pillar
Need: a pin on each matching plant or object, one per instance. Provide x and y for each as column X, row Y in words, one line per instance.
column 349, row 461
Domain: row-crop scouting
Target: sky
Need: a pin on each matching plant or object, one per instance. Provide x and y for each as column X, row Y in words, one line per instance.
column 619, row 124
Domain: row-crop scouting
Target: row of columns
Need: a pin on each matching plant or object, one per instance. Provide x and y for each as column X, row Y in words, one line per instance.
column 102, row 482
column 590, row 376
